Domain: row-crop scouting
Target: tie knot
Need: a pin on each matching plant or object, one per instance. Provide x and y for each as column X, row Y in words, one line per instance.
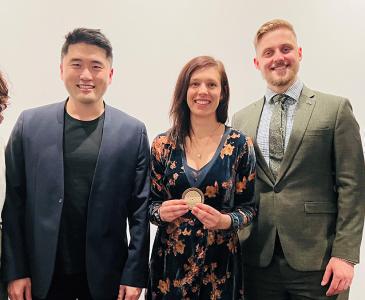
column 280, row 98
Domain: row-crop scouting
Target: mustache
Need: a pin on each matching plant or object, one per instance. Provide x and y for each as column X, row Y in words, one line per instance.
column 278, row 64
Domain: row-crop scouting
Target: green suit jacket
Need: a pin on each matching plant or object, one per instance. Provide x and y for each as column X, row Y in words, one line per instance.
column 317, row 203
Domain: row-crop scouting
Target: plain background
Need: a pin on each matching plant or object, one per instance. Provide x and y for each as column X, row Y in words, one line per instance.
column 152, row 40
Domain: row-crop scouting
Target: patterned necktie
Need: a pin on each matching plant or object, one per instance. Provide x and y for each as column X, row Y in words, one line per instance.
column 277, row 133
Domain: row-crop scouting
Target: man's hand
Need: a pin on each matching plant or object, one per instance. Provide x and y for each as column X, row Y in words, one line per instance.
column 20, row 289
column 342, row 273
column 129, row 292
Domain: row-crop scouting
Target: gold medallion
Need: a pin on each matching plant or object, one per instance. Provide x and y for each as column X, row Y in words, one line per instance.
column 193, row 196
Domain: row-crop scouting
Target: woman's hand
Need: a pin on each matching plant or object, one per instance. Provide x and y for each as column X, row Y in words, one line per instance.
column 172, row 209
column 210, row 217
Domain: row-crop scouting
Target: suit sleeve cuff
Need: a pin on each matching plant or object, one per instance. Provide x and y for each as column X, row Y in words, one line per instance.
column 346, row 260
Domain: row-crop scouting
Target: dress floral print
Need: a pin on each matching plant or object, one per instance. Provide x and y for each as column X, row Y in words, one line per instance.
column 189, row 261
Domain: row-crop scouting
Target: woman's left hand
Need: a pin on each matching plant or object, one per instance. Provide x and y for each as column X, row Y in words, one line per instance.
column 210, row 217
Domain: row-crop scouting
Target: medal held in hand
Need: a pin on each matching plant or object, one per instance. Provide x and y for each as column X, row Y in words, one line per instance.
column 193, row 196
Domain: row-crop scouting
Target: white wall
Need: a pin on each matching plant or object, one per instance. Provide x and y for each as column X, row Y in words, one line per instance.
column 152, row 40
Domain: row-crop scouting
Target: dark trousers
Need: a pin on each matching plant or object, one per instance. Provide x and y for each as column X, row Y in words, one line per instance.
column 68, row 287
column 279, row 281
column 3, row 286
column 3, row 291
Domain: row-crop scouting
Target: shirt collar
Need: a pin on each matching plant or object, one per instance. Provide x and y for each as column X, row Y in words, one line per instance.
column 293, row 91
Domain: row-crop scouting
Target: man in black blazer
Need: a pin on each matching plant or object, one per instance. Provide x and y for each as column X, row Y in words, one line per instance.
column 76, row 172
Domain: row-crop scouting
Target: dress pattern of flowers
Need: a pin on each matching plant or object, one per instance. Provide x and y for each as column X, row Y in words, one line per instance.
column 189, row 261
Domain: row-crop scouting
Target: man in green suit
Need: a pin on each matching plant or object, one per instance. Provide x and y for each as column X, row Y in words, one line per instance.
column 310, row 184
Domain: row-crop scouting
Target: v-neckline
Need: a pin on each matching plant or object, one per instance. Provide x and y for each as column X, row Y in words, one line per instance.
column 204, row 170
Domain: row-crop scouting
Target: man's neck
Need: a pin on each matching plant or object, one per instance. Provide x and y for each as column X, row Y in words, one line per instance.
column 282, row 89
column 84, row 111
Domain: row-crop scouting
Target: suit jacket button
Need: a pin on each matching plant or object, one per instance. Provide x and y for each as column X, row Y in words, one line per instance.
column 60, row 200
column 276, row 190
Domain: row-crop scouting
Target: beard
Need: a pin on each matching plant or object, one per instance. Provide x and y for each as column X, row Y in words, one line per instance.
column 285, row 80
column 281, row 81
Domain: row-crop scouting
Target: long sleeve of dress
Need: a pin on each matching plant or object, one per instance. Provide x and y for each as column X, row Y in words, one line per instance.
column 245, row 172
column 159, row 193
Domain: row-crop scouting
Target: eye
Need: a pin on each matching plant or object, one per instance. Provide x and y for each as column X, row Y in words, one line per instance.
column 97, row 67
column 286, row 49
column 267, row 53
column 194, row 84
column 212, row 85
column 75, row 65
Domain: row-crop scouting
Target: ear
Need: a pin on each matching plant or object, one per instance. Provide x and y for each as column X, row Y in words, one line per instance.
column 61, row 71
column 256, row 63
column 111, row 75
column 300, row 53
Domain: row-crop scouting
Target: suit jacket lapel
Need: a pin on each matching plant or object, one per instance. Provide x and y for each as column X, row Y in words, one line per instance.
column 251, row 130
column 58, row 154
column 106, row 141
column 303, row 113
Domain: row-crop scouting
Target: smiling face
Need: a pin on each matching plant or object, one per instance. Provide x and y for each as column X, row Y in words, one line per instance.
column 86, row 72
column 278, row 57
column 204, row 92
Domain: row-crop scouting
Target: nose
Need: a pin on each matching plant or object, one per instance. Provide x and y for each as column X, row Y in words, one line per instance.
column 203, row 89
column 278, row 56
column 85, row 74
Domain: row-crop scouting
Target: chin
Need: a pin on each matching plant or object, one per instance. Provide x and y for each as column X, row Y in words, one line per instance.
column 281, row 81
column 87, row 101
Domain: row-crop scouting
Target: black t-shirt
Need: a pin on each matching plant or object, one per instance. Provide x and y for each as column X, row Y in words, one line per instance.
column 81, row 144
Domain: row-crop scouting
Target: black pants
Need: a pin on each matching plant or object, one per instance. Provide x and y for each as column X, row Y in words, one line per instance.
column 279, row 281
column 3, row 291
column 3, row 286
column 68, row 287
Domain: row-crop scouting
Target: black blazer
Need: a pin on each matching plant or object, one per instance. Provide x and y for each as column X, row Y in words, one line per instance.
column 34, row 200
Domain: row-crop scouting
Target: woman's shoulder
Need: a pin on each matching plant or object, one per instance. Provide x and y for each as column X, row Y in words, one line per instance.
column 164, row 139
column 162, row 145
column 238, row 137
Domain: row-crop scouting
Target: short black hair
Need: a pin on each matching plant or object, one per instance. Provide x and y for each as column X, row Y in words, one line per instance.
column 87, row 36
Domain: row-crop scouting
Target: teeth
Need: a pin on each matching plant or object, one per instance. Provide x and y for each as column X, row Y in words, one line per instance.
column 279, row 67
column 85, row 86
column 202, row 101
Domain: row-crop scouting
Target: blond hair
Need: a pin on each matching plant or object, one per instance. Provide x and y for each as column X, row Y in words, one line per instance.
column 271, row 26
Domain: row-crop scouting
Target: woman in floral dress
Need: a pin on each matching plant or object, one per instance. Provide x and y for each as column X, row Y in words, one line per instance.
column 196, row 253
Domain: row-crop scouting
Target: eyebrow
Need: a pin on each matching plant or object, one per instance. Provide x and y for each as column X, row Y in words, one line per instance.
column 287, row 45
column 268, row 48
column 80, row 60
column 280, row 46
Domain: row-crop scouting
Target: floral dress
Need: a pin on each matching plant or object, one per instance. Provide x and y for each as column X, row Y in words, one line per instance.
column 189, row 261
